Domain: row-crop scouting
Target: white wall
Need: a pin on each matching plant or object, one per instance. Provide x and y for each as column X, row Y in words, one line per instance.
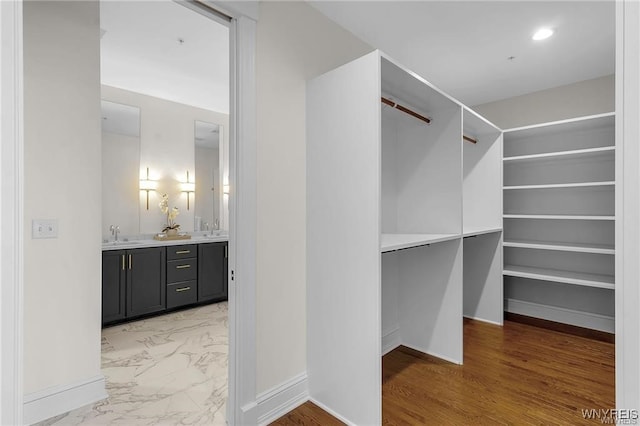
column 294, row 43
column 167, row 147
column 62, row 175
column 573, row 100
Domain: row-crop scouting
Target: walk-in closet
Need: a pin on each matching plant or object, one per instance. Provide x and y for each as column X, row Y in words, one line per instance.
column 404, row 201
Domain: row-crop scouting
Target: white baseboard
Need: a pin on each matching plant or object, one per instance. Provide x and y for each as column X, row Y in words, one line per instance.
column 562, row 315
column 281, row 399
column 390, row 341
column 333, row 413
column 435, row 354
column 58, row 400
column 483, row 320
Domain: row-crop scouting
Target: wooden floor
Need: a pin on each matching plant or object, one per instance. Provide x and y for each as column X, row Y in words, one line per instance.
column 517, row 374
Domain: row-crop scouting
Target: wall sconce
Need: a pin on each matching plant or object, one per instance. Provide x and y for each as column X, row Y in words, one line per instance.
column 188, row 187
column 148, row 185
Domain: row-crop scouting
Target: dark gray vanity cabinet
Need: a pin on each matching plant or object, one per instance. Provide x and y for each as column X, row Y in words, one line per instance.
column 212, row 271
column 182, row 275
column 146, row 289
column 113, row 285
column 143, row 281
column 133, row 283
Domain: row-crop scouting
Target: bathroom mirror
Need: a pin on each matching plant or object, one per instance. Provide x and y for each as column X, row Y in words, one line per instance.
column 120, row 167
column 208, row 197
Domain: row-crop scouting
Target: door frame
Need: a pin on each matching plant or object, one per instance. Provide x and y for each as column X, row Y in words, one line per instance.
column 242, row 215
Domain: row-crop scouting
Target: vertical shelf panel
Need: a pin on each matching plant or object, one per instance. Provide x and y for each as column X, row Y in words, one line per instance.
column 483, row 286
column 343, row 240
column 429, row 295
column 482, row 212
column 482, row 175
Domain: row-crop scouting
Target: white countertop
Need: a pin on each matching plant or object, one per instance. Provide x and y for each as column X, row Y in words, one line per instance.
column 148, row 241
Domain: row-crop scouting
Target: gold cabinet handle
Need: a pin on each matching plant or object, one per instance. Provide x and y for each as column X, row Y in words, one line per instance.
column 183, row 266
column 183, row 252
column 130, row 262
column 123, row 262
column 182, row 289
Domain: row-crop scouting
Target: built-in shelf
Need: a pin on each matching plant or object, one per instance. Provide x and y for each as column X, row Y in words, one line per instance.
column 571, row 247
column 576, row 153
column 392, row 242
column 567, row 277
column 561, row 185
column 557, row 217
column 480, row 231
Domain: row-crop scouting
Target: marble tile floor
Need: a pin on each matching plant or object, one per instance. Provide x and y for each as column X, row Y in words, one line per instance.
column 167, row 370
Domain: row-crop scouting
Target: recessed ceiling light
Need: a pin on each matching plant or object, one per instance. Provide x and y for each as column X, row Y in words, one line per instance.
column 542, row 33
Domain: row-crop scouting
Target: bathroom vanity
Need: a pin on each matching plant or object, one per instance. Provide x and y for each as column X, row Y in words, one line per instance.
column 148, row 277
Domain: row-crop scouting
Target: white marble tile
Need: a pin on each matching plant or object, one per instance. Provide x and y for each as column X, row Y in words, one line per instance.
column 168, row 370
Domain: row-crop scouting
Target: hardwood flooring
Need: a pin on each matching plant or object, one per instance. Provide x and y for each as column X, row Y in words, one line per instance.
column 512, row 375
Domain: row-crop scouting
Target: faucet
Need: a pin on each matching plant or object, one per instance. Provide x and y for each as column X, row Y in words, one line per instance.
column 115, row 230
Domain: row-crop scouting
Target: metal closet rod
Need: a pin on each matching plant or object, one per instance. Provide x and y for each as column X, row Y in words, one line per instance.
column 406, row 110
column 427, row 120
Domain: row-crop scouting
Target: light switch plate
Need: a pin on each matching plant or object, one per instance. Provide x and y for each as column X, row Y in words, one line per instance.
column 45, row 228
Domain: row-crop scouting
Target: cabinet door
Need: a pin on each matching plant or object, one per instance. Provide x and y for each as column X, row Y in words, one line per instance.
column 113, row 286
column 146, row 284
column 212, row 272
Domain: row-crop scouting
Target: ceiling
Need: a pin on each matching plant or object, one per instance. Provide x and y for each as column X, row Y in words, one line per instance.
column 141, row 51
column 463, row 47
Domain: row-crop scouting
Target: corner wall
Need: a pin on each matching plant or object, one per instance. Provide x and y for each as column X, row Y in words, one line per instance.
column 294, row 43
column 62, row 180
column 584, row 98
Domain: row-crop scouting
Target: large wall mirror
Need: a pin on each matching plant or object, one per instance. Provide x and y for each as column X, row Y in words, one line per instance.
column 178, row 144
column 120, row 167
column 209, row 196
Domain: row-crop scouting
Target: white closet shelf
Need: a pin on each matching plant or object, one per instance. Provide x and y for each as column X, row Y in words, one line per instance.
column 471, row 232
column 554, row 275
column 557, row 217
column 391, row 242
column 561, row 185
column 571, row 247
column 576, row 153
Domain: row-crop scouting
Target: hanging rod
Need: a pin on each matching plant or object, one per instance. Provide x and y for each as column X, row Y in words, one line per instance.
column 405, row 110
column 427, row 120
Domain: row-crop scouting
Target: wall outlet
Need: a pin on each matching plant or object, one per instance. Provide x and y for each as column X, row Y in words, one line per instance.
column 45, row 228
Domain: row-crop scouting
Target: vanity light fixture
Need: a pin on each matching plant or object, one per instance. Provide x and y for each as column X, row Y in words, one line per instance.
column 188, row 187
column 148, row 185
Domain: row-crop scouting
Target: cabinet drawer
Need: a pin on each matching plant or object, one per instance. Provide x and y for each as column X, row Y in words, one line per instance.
column 180, row 294
column 182, row 270
column 181, row 252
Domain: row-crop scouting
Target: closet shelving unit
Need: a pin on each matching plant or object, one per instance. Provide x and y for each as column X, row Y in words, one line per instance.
column 385, row 223
column 559, row 221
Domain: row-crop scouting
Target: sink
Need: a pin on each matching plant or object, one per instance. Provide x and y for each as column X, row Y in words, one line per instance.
column 209, row 237
column 120, row 243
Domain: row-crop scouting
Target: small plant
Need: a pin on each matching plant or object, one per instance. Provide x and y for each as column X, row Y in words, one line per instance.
column 171, row 213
